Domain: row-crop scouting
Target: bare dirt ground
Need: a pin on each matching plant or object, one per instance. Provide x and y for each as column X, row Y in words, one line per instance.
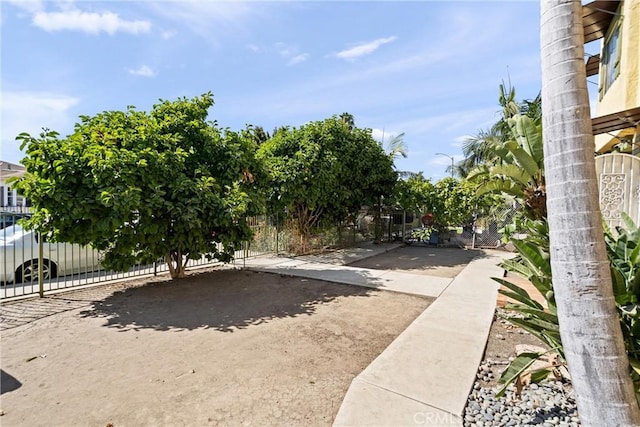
column 221, row 347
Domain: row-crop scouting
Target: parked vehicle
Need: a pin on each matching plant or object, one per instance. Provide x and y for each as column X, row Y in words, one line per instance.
column 11, row 218
column 19, row 257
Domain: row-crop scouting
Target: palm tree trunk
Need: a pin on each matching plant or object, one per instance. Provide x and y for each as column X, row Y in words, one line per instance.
column 589, row 326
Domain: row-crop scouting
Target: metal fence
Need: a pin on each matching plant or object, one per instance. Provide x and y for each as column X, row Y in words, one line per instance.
column 25, row 270
column 486, row 231
column 31, row 265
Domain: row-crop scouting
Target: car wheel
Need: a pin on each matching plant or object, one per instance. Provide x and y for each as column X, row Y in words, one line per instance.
column 29, row 271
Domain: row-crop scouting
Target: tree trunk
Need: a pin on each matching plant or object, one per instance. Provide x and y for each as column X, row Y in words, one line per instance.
column 589, row 325
column 175, row 264
column 377, row 222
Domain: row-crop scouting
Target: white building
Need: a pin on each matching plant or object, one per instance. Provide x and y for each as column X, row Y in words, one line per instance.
column 9, row 198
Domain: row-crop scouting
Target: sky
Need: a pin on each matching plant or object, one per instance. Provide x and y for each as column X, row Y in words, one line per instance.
column 428, row 69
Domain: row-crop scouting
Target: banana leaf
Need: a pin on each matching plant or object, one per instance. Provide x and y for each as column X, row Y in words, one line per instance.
column 516, row 368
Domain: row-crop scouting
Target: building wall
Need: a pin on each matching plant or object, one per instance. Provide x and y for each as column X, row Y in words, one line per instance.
column 624, row 93
column 8, row 196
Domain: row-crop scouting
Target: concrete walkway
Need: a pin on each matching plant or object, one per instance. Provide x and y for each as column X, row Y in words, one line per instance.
column 425, row 375
column 331, row 268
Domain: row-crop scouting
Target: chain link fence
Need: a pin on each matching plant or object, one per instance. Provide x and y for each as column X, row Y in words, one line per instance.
column 486, row 231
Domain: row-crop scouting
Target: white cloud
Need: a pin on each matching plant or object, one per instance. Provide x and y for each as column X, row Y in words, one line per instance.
column 452, row 121
column 166, row 35
column 88, row 22
column 253, row 48
column 208, row 19
column 284, row 50
column 290, row 53
column 383, row 135
column 142, row 71
column 30, row 6
column 24, row 111
column 363, row 49
column 377, row 134
column 298, row 59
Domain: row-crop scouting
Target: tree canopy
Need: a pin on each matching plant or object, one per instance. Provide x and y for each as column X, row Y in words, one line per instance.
column 324, row 171
column 452, row 202
column 141, row 186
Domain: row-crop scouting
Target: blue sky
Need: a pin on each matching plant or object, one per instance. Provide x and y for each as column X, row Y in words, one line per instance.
column 430, row 69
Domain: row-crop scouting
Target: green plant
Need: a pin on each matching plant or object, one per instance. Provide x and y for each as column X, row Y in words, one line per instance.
column 322, row 173
column 623, row 248
column 533, row 263
column 517, row 168
column 142, row 186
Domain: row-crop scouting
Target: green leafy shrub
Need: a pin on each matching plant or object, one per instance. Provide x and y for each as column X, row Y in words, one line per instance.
column 623, row 248
column 533, row 263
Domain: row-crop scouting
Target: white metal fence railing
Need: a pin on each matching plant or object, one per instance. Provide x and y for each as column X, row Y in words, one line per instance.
column 30, row 265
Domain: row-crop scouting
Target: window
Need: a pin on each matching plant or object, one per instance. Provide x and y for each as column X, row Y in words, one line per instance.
column 610, row 64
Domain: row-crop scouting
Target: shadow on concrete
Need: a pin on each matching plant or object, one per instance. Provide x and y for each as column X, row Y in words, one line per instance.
column 8, row 382
column 428, row 260
column 225, row 300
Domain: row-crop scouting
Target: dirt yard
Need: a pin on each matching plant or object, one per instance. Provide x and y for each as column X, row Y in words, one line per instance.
column 221, row 347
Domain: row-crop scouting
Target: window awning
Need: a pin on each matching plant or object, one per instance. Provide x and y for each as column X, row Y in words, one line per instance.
column 596, row 18
column 612, row 122
column 593, row 65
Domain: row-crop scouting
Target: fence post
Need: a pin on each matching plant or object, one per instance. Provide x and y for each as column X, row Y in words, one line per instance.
column 473, row 226
column 40, row 265
column 404, row 224
column 277, row 236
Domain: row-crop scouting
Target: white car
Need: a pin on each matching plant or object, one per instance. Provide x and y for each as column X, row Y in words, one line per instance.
column 19, row 257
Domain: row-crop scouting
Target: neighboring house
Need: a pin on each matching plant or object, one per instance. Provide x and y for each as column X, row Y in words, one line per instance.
column 9, row 198
column 616, row 122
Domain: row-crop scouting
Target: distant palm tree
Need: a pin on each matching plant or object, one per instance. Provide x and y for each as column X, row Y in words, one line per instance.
column 480, row 149
column 260, row 136
column 517, row 167
column 396, row 147
column 348, row 119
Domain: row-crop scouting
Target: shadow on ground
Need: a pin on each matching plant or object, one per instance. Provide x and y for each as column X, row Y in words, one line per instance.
column 419, row 259
column 225, row 300
column 8, row 382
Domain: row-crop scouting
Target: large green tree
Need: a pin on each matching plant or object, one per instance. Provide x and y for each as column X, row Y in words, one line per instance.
column 589, row 324
column 141, row 186
column 323, row 172
column 414, row 194
column 452, row 202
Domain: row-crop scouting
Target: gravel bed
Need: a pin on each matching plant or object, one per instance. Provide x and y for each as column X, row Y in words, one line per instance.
column 550, row 403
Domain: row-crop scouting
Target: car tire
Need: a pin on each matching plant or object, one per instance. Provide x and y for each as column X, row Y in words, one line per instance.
column 28, row 272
